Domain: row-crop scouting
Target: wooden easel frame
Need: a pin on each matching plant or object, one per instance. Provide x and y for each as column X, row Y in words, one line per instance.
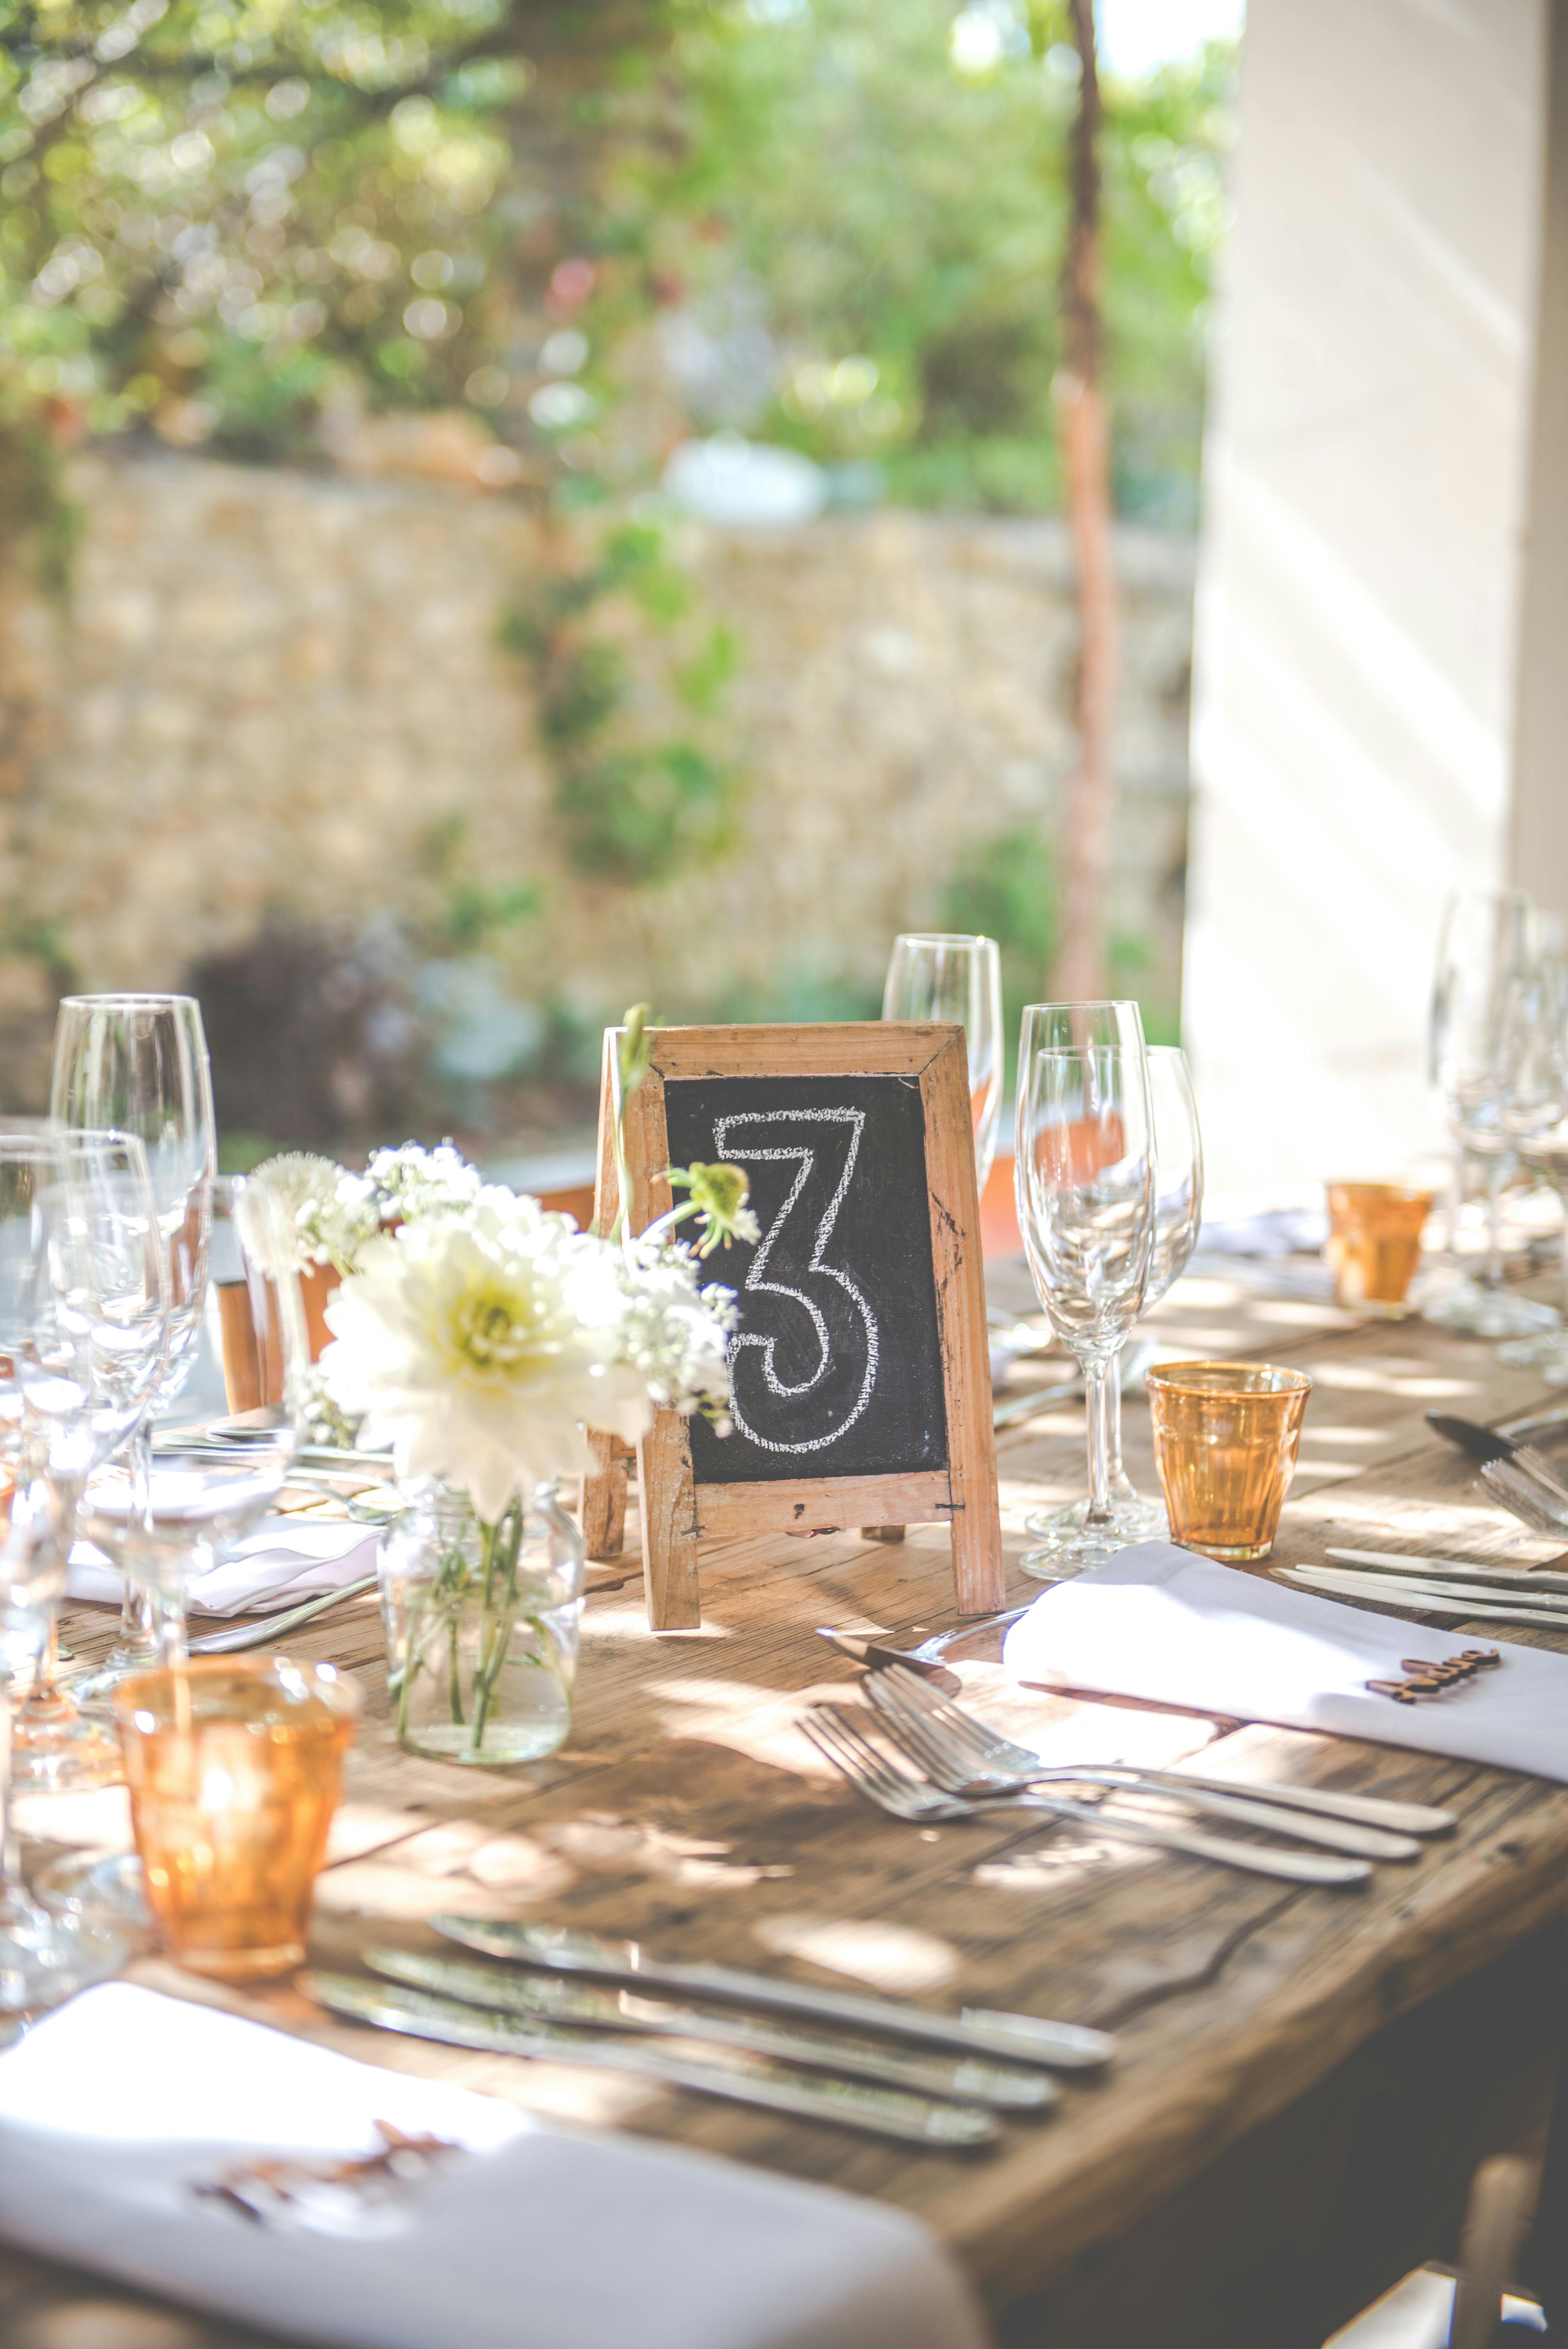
column 676, row 1512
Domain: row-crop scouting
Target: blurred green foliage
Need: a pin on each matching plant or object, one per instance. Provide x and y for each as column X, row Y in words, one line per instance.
column 839, row 221
column 619, row 654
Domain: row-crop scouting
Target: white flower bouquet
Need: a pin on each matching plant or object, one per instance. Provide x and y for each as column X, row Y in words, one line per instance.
column 484, row 1337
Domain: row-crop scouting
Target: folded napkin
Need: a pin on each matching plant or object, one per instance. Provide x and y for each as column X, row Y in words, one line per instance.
column 118, row 2108
column 285, row 1559
column 1158, row 1622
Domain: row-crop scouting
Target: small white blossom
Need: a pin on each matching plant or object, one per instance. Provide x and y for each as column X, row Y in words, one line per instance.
column 412, row 1181
column 279, row 1208
column 676, row 1331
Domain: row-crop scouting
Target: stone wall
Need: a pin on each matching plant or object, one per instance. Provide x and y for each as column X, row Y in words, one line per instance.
column 271, row 684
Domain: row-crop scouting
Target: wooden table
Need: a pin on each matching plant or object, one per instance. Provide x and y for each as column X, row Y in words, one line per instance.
column 1306, row 2077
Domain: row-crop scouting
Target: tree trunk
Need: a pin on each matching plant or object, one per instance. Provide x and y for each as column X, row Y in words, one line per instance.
column 1079, row 388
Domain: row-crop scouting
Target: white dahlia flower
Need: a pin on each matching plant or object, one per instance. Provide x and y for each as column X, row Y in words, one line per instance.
column 483, row 1340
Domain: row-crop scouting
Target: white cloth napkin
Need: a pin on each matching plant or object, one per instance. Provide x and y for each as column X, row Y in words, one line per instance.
column 117, row 2106
column 1158, row 1622
column 285, row 1559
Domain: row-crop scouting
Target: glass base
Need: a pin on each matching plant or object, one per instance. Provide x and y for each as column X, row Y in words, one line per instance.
column 1472, row 1310
column 45, row 1958
column 1546, row 1355
column 58, row 1749
column 1134, row 1519
column 1073, row 1551
column 505, row 1742
column 105, row 1891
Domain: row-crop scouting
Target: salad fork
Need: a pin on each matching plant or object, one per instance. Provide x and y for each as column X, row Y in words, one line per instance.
column 975, row 1744
column 956, row 1770
column 839, row 1739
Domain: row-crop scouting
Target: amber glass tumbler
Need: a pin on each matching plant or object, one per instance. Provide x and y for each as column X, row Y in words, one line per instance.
column 1226, row 1440
column 1374, row 1240
column 234, row 1766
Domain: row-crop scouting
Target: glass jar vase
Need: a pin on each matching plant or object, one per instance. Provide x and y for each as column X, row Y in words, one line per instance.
column 481, row 1625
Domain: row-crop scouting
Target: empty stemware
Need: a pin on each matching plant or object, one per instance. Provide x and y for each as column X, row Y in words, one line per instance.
column 139, row 1063
column 1484, row 955
column 1085, row 1178
column 1178, row 1212
column 953, row 976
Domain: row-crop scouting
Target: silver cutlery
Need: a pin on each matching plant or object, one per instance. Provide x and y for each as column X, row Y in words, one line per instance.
column 1486, row 1443
column 1011, row 2086
column 953, row 1765
column 1429, row 1599
column 978, row 2031
column 1528, row 1423
column 1533, row 1508
column 257, row 1635
column 883, row 2112
column 864, row 1647
column 1512, row 1580
column 988, row 1747
column 839, row 1739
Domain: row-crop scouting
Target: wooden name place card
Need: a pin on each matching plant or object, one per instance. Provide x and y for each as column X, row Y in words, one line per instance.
column 862, row 1385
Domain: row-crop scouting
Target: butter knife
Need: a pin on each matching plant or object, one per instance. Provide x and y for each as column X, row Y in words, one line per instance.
column 1399, row 1591
column 1008, row 2085
column 1016, row 2038
column 883, row 2112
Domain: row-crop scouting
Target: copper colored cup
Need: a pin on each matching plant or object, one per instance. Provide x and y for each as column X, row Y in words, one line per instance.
column 1225, row 1439
column 1374, row 1240
column 234, row 1766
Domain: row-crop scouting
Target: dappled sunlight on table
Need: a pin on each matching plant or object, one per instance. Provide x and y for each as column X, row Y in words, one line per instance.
column 895, row 1959
column 761, row 1724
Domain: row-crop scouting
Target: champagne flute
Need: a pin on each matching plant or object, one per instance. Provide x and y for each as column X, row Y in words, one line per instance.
column 1178, row 1212
column 1484, row 955
column 83, row 1327
column 139, row 1063
column 100, row 1331
column 1085, row 1176
column 952, row 977
column 1536, row 1113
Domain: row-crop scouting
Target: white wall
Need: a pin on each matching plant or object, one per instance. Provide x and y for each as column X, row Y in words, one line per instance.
column 1359, row 575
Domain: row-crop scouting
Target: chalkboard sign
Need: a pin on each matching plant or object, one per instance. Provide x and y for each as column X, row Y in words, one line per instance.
column 861, row 1373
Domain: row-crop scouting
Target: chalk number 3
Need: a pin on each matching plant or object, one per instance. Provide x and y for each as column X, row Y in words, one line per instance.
column 813, row 1371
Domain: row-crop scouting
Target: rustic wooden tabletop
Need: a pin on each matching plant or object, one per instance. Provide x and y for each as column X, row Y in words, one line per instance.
column 1306, row 2075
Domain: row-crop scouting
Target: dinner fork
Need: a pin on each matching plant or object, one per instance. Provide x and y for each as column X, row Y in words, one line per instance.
column 959, row 1767
column 840, row 1740
column 983, row 1749
column 257, row 1635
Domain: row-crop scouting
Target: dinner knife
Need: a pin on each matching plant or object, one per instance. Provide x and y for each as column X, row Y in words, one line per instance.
column 978, row 2031
column 1489, row 1443
column 883, row 2112
column 1513, row 1581
column 1008, row 2085
column 1396, row 1591
column 1549, row 1602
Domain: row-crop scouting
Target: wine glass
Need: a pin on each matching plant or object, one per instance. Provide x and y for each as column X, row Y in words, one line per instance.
column 956, row 978
column 1178, row 1212
column 139, row 1063
column 1484, row 955
column 83, row 1324
column 1085, row 1176
column 100, row 1329
column 1536, row 1113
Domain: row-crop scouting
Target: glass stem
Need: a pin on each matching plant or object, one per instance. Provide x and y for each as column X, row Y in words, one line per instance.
column 137, row 1641
column 1096, row 1393
column 1494, row 1174
column 10, row 1871
column 1563, row 1197
column 1456, row 1201
column 169, row 1616
column 1113, row 1409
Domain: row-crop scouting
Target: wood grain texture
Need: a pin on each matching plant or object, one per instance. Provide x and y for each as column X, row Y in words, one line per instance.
column 973, row 1508
column 1303, row 2073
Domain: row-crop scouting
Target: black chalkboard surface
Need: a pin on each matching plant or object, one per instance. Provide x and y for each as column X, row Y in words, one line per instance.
column 837, row 1361
column 863, row 1387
